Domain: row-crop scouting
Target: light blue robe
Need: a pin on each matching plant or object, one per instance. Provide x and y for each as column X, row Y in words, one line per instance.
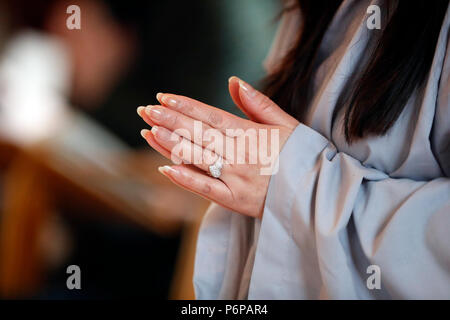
column 333, row 209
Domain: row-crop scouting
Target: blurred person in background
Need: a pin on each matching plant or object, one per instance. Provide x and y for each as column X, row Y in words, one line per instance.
column 45, row 65
column 47, row 73
column 66, row 86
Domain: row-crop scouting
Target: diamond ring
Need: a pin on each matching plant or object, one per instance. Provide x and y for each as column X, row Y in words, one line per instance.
column 216, row 169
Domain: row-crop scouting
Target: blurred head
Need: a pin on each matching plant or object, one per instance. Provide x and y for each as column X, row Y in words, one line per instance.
column 99, row 52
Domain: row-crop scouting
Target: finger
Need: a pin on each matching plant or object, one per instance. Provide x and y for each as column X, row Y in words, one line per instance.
column 148, row 136
column 233, row 88
column 261, row 108
column 181, row 148
column 199, row 183
column 197, row 110
column 194, row 130
column 141, row 112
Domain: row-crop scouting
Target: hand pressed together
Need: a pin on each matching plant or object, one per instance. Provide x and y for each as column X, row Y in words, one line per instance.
column 196, row 136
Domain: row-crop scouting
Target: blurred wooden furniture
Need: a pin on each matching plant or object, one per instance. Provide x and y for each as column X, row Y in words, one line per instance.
column 125, row 184
column 182, row 285
column 24, row 206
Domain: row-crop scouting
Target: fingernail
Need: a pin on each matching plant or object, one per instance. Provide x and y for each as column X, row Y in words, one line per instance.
column 231, row 78
column 167, row 169
column 140, row 110
column 154, row 130
column 171, row 102
column 247, row 88
column 144, row 133
column 159, row 96
column 154, row 112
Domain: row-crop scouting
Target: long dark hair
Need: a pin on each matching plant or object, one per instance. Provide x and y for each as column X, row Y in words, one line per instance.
column 399, row 63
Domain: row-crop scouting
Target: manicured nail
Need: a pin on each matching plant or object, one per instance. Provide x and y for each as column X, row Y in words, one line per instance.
column 154, row 130
column 247, row 88
column 154, row 112
column 144, row 133
column 140, row 110
column 231, row 78
column 171, row 102
column 159, row 96
column 167, row 169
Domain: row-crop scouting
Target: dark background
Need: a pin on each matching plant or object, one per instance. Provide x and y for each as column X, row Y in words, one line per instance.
column 184, row 47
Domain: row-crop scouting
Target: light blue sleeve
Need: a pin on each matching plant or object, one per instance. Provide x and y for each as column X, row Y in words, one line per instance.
column 327, row 218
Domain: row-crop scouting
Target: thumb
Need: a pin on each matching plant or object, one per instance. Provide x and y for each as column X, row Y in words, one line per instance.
column 257, row 106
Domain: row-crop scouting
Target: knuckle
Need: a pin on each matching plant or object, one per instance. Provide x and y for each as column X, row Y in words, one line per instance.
column 206, row 188
column 215, row 118
column 185, row 107
column 259, row 98
column 207, row 158
column 189, row 179
column 241, row 198
column 173, row 120
column 265, row 102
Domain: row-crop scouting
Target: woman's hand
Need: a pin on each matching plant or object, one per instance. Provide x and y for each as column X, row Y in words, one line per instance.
column 195, row 136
